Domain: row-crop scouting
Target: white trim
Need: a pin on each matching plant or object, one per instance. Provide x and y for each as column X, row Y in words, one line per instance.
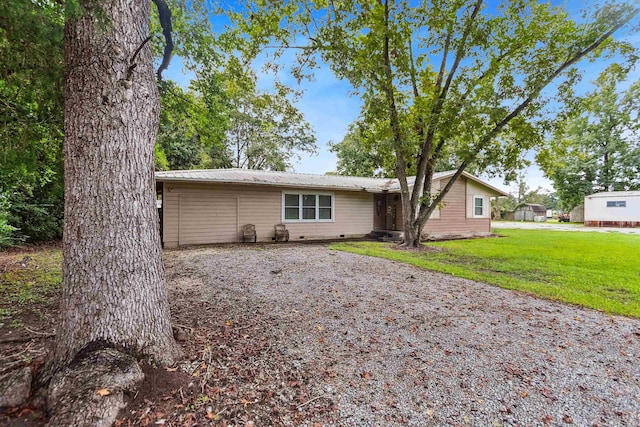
column 300, row 207
column 484, row 207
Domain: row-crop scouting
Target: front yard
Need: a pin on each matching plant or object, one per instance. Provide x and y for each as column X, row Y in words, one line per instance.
column 594, row 270
column 306, row 335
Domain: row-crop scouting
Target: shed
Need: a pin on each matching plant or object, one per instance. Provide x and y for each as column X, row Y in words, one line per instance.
column 530, row 212
column 577, row 213
column 612, row 209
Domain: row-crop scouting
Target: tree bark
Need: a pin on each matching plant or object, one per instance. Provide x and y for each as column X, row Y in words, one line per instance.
column 113, row 294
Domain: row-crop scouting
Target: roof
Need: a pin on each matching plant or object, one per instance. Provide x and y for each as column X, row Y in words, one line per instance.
column 448, row 174
column 285, row 179
column 615, row 194
column 535, row 206
column 300, row 180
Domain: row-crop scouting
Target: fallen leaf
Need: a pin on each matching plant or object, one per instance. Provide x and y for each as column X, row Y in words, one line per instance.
column 430, row 412
column 228, row 323
column 171, row 369
column 365, row 375
column 524, row 394
column 319, row 328
column 103, row 392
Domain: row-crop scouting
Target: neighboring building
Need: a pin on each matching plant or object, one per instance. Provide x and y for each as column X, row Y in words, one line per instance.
column 530, row 212
column 577, row 213
column 211, row 206
column 612, row 209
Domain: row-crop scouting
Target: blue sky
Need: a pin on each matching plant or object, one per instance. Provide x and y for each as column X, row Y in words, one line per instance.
column 329, row 107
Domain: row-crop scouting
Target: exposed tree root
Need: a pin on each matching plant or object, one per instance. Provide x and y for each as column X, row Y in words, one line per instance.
column 90, row 392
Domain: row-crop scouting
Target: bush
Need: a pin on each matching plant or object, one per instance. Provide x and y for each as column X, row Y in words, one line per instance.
column 7, row 231
column 38, row 219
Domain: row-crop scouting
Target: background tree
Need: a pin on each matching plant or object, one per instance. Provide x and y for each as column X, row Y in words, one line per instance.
column 31, row 119
column 254, row 128
column 266, row 130
column 357, row 156
column 191, row 130
column 457, row 80
column 114, row 303
column 597, row 147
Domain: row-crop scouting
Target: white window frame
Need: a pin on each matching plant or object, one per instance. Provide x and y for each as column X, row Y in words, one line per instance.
column 300, row 207
column 483, row 206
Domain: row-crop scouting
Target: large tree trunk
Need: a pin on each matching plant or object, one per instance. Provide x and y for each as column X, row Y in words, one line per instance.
column 113, row 281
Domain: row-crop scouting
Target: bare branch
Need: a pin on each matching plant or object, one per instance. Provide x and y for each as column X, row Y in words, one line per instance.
column 164, row 14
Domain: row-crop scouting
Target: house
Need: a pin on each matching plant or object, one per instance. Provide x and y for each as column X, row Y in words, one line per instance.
column 211, row 206
column 612, row 209
column 530, row 212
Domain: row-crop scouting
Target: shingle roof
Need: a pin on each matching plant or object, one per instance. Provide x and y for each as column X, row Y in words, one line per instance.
column 300, row 180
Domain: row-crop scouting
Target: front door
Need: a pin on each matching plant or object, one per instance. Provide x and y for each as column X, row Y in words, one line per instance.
column 387, row 212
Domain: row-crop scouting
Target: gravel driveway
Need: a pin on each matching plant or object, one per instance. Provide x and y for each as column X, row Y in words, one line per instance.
column 396, row 345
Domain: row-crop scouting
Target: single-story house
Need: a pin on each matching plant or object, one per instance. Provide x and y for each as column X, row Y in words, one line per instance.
column 612, row 209
column 211, row 206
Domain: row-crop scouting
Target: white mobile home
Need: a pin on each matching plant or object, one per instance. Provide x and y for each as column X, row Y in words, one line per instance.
column 612, row 209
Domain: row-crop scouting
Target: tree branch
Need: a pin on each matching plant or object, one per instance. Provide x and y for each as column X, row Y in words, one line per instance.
column 423, row 216
column 164, row 14
column 434, row 117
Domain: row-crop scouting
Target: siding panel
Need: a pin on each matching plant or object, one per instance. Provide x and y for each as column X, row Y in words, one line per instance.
column 215, row 213
column 456, row 214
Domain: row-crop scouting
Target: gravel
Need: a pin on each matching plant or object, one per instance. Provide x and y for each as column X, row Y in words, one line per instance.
column 391, row 344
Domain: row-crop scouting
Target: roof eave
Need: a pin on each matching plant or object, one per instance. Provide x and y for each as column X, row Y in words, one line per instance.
column 267, row 184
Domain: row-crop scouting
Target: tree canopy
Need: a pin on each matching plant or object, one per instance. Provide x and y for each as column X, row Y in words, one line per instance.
column 199, row 123
column 467, row 81
column 597, row 146
column 31, row 118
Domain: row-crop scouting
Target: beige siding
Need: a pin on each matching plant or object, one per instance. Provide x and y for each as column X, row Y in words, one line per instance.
column 454, row 220
column 215, row 213
column 476, row 190
column 354, row 217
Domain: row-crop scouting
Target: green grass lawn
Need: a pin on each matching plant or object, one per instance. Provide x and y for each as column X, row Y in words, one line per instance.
column 28, row 280
column 595, row 270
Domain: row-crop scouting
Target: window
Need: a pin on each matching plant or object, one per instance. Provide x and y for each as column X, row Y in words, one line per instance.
column 617, row 204
column 292, row 206
column 478, row 206
column 307, row 207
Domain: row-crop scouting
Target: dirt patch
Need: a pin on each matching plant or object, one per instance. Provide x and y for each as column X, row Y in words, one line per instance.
column 419, row 249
